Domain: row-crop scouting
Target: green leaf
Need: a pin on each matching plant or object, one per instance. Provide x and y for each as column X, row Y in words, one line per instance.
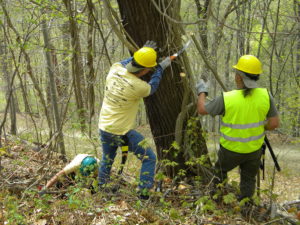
column 174, row 214
column 230, row 198
column 3, row 151
column 145, row 143
column 175, row 145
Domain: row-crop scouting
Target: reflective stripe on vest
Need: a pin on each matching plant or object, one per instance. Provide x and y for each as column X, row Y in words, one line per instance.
column 242, row 126
column 244, row 140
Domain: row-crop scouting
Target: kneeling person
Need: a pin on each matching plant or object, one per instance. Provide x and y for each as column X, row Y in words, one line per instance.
column 83, row 164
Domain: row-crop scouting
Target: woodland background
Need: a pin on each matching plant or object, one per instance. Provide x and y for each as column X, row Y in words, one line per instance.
column 55, row 56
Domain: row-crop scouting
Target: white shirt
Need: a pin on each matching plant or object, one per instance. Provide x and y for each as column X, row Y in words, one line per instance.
column 76, row 162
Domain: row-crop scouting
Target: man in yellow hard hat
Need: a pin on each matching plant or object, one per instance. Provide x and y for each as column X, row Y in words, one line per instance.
column 124, row 91
column 245, row 115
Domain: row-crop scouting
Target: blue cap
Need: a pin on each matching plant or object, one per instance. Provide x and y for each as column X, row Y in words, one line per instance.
column 88, row 165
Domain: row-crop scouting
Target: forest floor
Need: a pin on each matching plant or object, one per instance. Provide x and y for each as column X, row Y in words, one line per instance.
column 24, row 170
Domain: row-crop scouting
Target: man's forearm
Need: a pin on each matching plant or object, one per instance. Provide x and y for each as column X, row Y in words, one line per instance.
column 55, row 178
column 126, row 61
column 201, row 104
column 272, row 123
column 155, row 79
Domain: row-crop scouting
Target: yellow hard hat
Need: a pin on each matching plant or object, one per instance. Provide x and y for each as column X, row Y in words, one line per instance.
column 249, row 64
column 146, row 57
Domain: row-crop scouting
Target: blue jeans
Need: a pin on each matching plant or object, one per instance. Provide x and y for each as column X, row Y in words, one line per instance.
column 110, row 144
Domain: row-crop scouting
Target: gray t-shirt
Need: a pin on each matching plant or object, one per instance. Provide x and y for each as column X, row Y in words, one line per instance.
column 217, row 107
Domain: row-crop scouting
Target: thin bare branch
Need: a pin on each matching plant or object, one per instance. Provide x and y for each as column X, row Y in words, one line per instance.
column 172, row 20
column 108, row 11
column 208, row 63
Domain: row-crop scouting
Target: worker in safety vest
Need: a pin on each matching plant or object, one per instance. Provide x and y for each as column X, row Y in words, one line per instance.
column 124, row 90
column 83, row 164
column 245, row 115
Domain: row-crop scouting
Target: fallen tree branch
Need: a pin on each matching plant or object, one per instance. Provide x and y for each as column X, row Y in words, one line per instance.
column 294, row 202
column 286, row 217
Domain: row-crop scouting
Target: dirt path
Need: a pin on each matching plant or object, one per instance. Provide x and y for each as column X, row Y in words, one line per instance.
column 288, row 180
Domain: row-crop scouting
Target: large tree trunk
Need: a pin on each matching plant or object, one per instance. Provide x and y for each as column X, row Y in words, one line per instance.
column 143, row 22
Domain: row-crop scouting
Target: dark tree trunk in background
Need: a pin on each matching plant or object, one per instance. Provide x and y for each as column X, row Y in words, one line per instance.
column 202, row 13
column 90, row 65
column 241, row 21
column 296, row 126
column 227, row 61
column 64, row 79
column 143, row 22
column 53, row 91
column 7, row 75
column 77, row 65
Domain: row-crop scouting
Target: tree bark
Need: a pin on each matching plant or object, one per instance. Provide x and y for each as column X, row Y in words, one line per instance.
column 90, row 64
column 296, row 126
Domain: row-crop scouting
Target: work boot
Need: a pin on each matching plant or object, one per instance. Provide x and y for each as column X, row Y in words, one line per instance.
column 247, row 207
column 247, row 211
column 109, row 189
column 216, row 194
column 144, row 197
column 143, row 194
column 257, row 213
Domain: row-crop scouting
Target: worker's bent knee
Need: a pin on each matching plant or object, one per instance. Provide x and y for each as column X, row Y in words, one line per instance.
column 151, row 155
column 148, row 156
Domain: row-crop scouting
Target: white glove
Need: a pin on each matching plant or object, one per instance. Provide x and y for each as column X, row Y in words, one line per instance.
column 202, row 87
column 165, row 63
column 150, row 44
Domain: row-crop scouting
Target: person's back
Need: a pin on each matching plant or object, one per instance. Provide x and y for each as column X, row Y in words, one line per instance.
column 246, row 114
column 242, row 126
column 122, row 97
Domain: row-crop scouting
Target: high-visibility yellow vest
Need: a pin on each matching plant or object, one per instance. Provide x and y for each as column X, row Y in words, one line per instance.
column 242, row 126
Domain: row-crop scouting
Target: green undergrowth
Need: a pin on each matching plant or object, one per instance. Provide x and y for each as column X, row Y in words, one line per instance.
column 79, row 206
column 25, row 173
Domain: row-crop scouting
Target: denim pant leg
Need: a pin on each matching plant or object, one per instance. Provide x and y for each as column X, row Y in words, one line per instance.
column 110, row 143
column 146, row 155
